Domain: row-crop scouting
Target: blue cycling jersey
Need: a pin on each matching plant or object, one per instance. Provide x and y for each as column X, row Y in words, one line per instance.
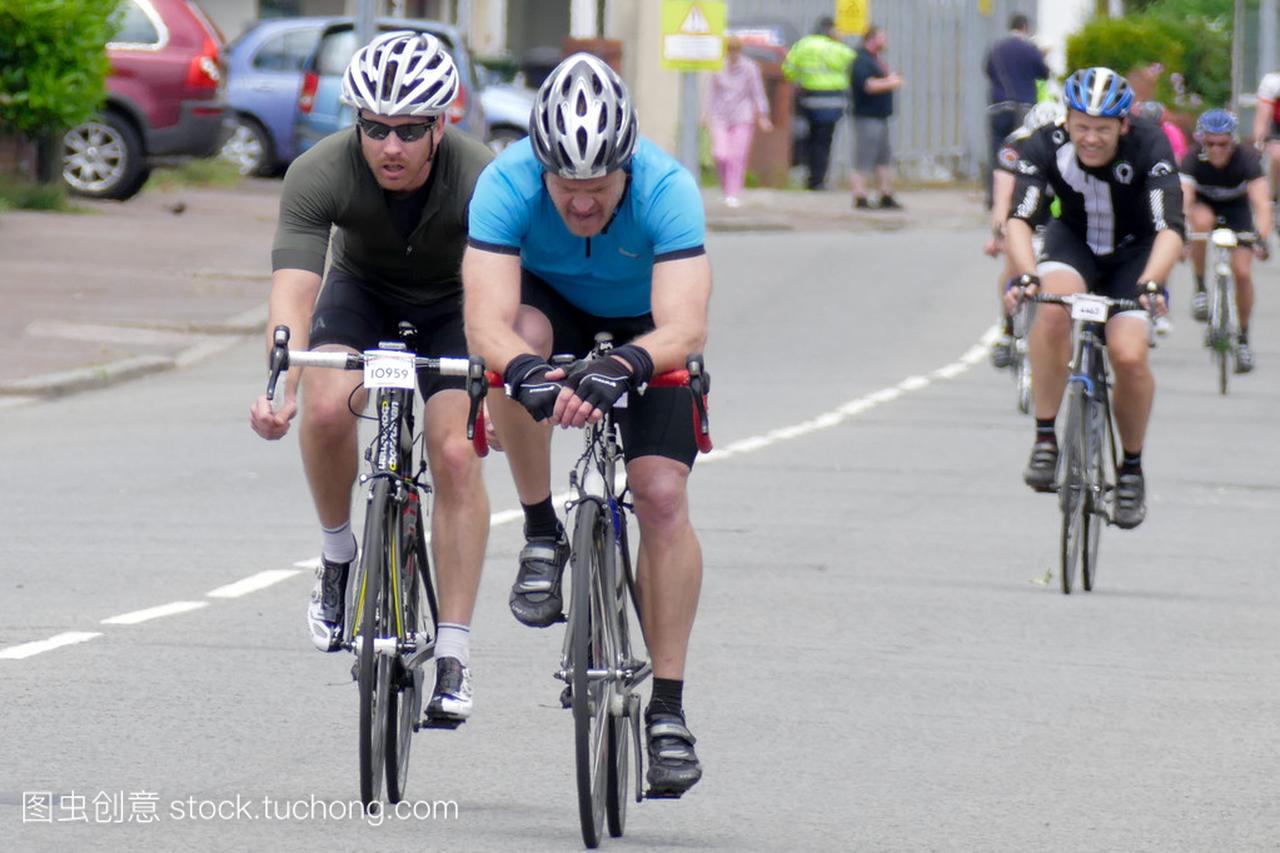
column 660, row 218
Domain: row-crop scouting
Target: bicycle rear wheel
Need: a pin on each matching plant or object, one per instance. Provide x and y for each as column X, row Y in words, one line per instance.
column 410, row 565
column 1071, row 492
column 588, row 650
column 373, row 670
column 1098, row 420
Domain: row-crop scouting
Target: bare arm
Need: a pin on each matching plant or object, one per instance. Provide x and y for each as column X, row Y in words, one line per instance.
column 1165, row 254
column 491, row 301
column 1019, row 248
column 681, row 293
column 1260, row 201
column 1261, row 117
column 879, row 85
column 293, row 296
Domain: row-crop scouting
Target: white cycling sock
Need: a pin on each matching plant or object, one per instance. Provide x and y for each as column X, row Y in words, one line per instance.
column 454, row 641
column 339, row 544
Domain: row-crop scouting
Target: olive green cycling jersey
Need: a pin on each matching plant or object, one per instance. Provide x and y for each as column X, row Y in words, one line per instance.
column 331, row 185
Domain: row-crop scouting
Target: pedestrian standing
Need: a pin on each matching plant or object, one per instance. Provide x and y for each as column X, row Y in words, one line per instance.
column 736, row 105
column 819, row 65
column 1014, row 64
column 873, row 88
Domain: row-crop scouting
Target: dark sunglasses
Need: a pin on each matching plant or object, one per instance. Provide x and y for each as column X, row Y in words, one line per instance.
column 406, row 132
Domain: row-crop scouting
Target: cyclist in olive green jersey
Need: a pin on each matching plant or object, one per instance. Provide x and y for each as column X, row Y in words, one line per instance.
column 397, row 187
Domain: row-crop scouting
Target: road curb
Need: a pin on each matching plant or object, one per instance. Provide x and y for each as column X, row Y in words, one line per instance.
column 51, row 385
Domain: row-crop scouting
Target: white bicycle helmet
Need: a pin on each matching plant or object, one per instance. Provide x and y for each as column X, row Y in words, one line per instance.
column 583, row 124
column 401, row 73
column 1044, row 113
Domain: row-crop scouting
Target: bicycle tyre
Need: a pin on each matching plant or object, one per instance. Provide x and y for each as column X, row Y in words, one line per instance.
column 405, row 706
column 1024, row 384
column 373, row 671
column 1221, row 334
column 590, row 700
column 1071, row 490
column 1098, row 419
column 619, row 735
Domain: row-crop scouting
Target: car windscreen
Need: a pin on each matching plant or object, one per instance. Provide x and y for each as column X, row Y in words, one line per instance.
column 338, row 46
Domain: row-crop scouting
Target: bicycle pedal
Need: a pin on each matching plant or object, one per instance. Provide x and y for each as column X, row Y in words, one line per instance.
column 662, row 794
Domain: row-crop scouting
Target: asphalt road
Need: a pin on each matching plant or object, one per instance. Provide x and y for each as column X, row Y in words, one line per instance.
column 878, row 663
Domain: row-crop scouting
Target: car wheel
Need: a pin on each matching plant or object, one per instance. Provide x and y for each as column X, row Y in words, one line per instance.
column 501, row 137
column 247, row 148
column 103, row 158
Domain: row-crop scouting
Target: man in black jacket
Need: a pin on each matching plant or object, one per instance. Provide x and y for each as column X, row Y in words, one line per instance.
column 1014, row 64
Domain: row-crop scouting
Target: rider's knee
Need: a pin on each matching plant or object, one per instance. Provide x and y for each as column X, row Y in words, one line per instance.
column 534, row 327
column 327, row 414
column 1129, row 358
column 453, row 461
column 661, row 496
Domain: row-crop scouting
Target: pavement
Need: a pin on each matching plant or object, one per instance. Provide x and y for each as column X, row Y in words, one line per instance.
column 121, row 290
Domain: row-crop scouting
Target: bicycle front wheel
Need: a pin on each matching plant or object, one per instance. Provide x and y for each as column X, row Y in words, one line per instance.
column 1071, row 492
column 591, row 665
column 1221, row 334
column 373, row 672
column 621, row 740
column 411, row 570
column 1096, row 485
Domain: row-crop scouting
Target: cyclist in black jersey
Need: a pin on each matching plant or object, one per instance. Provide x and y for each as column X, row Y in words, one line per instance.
column 397, row 187
column 1224, row 187
column 1121, row 227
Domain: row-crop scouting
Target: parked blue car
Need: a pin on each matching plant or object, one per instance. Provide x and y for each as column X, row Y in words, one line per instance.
column 320, row 112
column 264, row 75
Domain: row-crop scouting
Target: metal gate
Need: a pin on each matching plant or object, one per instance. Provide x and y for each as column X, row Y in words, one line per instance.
column 939, row 125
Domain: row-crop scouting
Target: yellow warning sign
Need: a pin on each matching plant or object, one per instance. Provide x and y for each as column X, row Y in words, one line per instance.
column 693, row 34
column 853, row 16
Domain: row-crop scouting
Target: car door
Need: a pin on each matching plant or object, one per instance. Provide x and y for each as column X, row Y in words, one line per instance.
column 266, row 85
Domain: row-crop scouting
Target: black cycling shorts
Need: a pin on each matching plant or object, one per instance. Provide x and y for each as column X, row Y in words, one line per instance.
column 657, row 423
column 1114, row 275
column 1235, row 214
column 351, row 314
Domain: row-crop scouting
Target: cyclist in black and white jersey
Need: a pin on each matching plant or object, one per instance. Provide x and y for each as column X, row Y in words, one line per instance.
column 1121, row 227
column 1224, row 188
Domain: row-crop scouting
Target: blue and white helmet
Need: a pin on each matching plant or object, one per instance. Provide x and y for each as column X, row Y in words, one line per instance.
column 401, row 73
column 1098, row 92
column 583, row 123
column 1217, row 121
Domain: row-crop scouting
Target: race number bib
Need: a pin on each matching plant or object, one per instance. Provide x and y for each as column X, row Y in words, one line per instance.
column 384, row 369
column 1086, row 307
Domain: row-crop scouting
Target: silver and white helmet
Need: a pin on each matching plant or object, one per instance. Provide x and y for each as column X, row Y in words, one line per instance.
column 1044, row 113
column 401, row 73
column 583, row 124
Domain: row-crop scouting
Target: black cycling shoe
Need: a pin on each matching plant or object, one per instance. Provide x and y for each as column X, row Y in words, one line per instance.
column 1042, row 468
column 1131, row 503
column 535, row 596
column 673, row 765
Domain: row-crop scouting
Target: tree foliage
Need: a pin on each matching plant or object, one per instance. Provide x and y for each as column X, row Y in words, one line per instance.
column 53, row 62
column 1190, row 38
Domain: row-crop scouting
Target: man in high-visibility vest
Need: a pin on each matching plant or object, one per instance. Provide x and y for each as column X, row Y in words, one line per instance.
column 819, row 65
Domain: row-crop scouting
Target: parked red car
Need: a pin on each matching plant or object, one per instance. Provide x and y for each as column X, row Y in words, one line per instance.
column 165, row 98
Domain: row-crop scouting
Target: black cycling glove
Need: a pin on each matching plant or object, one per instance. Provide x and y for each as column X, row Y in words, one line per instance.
column 600, row 382
column 526, row 382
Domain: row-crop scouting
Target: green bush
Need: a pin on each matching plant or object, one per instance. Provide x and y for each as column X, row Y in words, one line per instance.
column 53, row 62
column 1188, row 37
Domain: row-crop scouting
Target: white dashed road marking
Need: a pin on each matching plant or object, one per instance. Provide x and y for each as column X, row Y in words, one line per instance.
column 826, row 420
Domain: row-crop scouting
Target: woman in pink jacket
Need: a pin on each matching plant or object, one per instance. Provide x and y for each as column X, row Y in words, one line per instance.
column 736, row 105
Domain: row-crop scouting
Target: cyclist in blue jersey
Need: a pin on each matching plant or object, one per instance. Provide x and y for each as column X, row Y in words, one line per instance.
column 586, row 227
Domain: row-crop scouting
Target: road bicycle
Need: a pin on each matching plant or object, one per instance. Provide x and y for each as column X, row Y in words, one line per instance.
column 1086, row 478
column 391, row 613
column 1222, row 335
column 600, row 663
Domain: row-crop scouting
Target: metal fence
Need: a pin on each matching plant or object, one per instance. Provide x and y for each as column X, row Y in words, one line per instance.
column 939, row 125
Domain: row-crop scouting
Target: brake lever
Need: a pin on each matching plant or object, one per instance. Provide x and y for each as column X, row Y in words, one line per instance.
column 279, row 359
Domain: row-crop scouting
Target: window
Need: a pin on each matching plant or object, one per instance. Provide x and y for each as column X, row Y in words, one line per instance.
column 136, row 26
column 286, row 52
